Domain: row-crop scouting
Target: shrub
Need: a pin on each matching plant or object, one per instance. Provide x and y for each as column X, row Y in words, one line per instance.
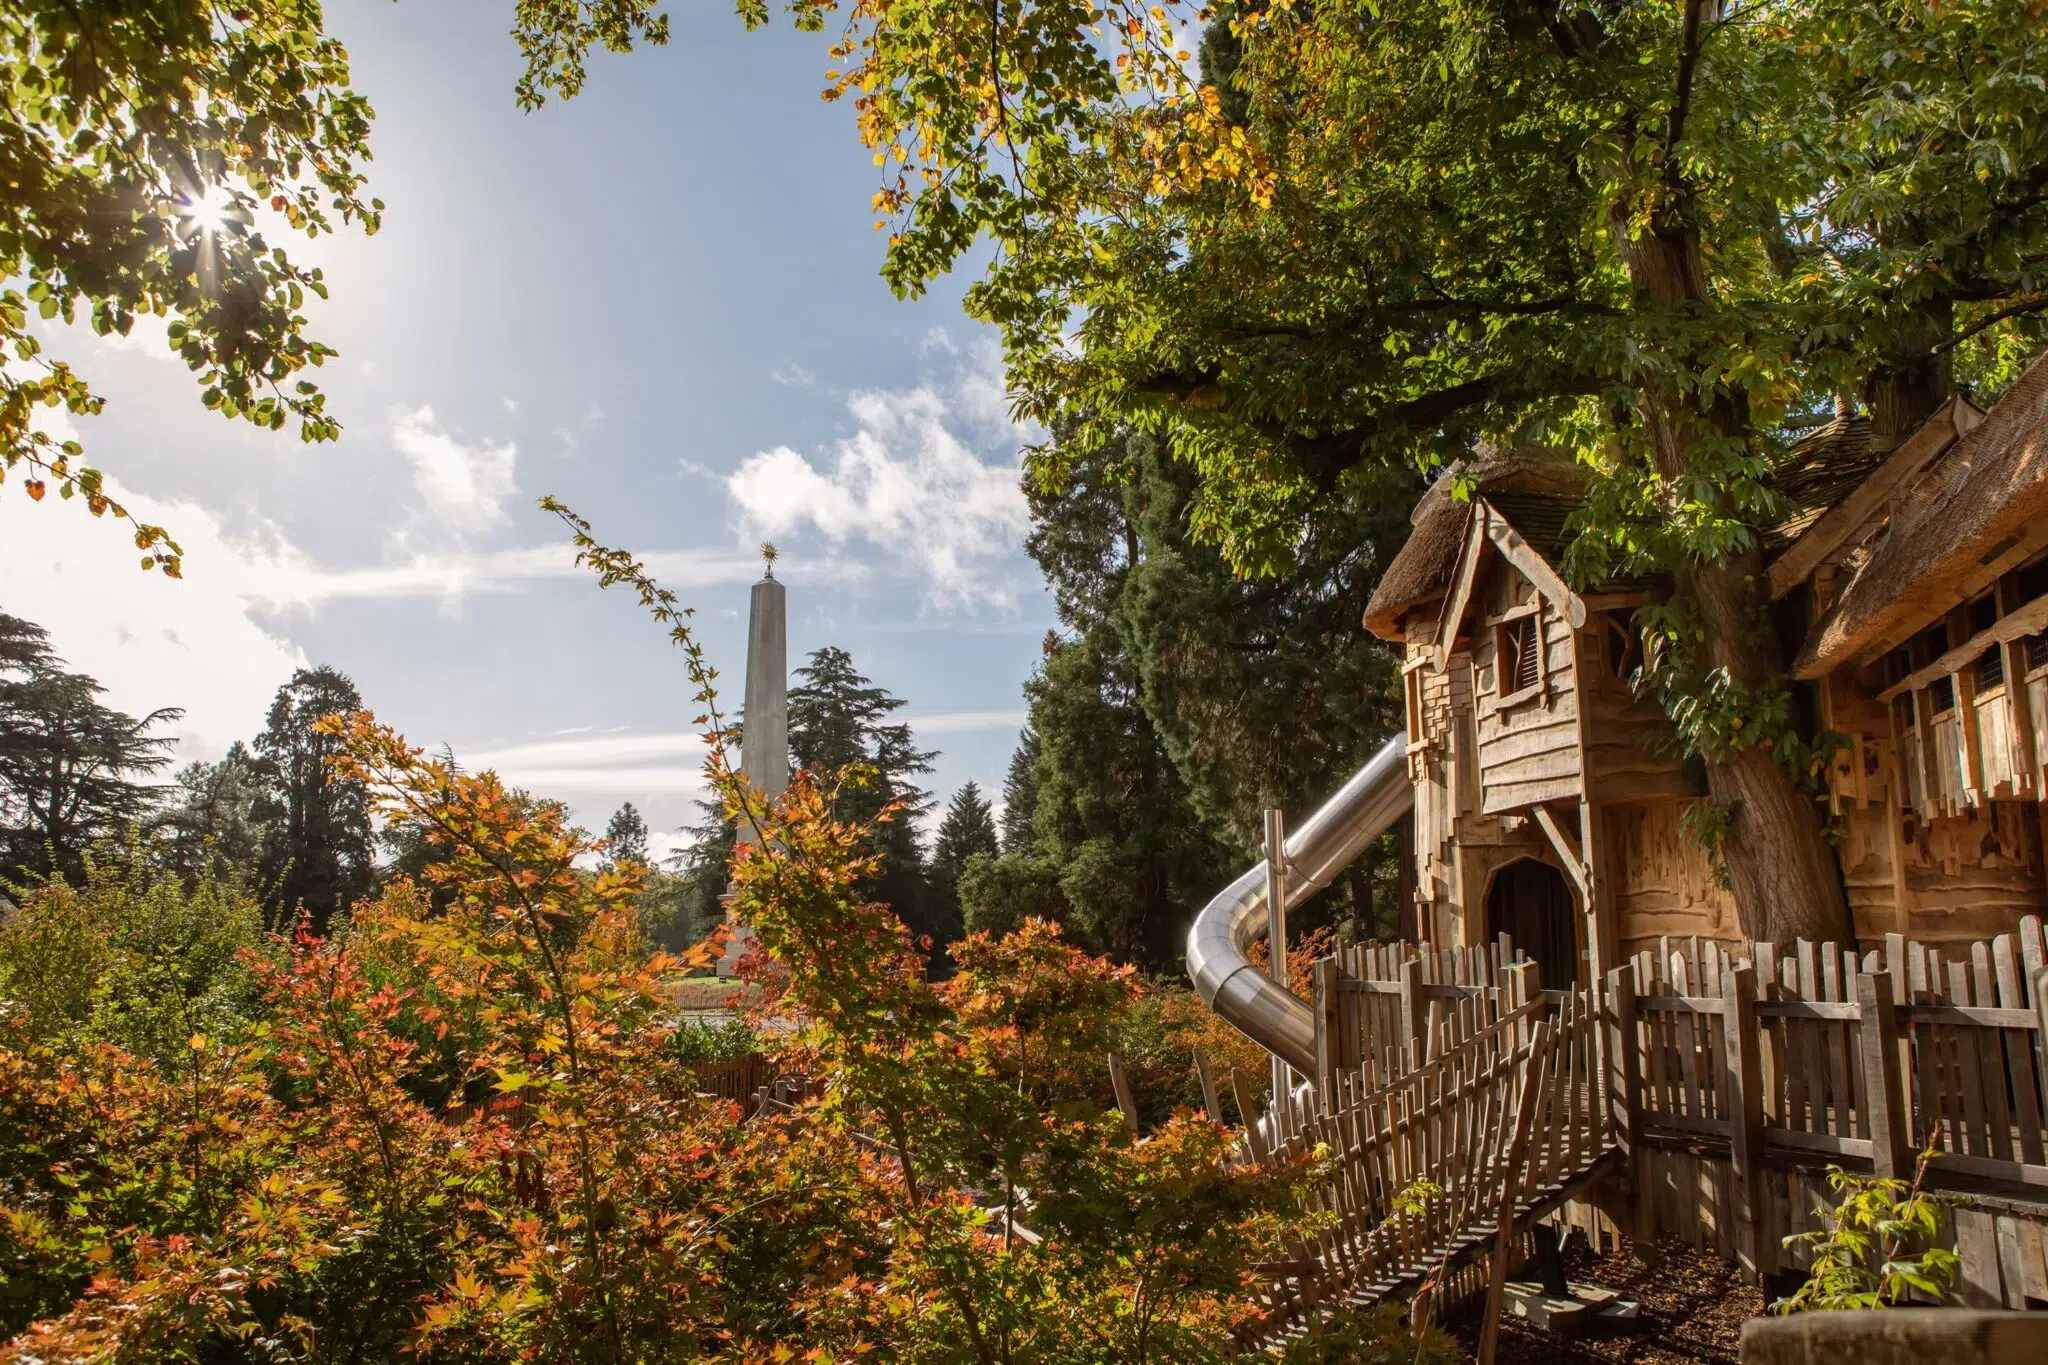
column 1877, row 1246
column 132, row 957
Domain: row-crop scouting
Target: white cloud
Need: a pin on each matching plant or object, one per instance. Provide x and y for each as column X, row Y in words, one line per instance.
column 963, row 722
column 203, row 641
column 905, row 484
column 794, row 376
column 464, row 486
column 152, row 641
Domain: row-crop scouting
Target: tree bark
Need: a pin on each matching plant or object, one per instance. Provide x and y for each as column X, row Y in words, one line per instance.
column 1779, row 862
column 1916, row 378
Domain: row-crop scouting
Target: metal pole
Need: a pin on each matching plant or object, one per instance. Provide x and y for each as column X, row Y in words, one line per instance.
column 1276, row 925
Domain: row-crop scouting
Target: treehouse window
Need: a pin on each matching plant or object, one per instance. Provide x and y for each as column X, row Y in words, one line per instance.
column 1624, row 645
column 1943, row 693
column 2037, row 651
column 1991, row 669
column 1516, row 644
column 1904, row 702
column 1984, row 613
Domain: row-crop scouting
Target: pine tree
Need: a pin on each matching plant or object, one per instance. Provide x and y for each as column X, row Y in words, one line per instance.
column 317, row 844
column 967, row 831
column 627, row 835
column 839, row 725
column 1020, row 792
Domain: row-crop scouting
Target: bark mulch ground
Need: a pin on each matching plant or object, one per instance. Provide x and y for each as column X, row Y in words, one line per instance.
column 1693, row 1310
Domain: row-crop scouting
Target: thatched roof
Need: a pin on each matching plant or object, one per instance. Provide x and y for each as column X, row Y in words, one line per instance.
column 1950, row 536
column 1819, row 470
column 1534, row 483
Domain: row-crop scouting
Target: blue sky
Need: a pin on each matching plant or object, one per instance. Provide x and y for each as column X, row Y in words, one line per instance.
column 658, row 302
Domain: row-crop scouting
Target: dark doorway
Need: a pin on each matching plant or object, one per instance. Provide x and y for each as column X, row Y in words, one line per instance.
column 1532, row 904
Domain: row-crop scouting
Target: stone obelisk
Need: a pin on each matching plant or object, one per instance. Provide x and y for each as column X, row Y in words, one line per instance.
column 764, row 734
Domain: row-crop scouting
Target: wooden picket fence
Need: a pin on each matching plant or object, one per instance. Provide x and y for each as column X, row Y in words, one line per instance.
column 736, row 1079
column 1740, row 1076
column 1715, row 1082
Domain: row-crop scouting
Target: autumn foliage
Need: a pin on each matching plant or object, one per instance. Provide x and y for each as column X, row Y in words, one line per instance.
column 456, row 1130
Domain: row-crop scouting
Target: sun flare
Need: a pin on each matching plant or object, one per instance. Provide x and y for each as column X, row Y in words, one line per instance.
column 208, row 213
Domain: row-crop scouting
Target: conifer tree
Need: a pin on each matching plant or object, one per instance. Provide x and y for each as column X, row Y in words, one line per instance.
column 317, row 849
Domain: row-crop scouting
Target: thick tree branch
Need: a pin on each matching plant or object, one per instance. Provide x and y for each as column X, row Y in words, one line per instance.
column 2034, row 304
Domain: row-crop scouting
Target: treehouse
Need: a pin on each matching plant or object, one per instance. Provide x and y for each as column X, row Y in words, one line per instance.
column 1910, row 586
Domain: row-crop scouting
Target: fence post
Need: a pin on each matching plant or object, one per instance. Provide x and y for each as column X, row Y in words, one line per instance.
column 1746, row 1105
column 1411, row 1012
column 1891, row 1153
column 1329, row 1040
column 1121, row 1084
column 2040, row 985
column 1207, row 1076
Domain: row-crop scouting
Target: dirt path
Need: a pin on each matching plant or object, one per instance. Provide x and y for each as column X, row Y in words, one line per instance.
column 1693, row 1310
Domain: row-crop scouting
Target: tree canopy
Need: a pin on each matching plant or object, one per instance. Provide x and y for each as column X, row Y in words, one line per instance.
column 71, row 767
column 140, row 143
column 1651, row 233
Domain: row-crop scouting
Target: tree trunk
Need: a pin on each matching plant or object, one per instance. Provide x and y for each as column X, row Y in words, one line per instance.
column 1779, row 862
column 1915, row 379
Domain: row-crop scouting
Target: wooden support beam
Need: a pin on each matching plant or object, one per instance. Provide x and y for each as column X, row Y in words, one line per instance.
column 1461, row 587
column 1329, row 1037
column 2030, row 619
column 1518, row 552
column 1568, row 851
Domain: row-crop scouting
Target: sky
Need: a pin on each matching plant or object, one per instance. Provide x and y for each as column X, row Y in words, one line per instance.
column 658, row 302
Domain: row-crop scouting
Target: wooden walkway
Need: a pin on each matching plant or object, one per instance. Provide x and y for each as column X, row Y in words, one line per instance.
column 1463, row 1108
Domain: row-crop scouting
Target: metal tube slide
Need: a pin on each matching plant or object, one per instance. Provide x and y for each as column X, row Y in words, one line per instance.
column 1324, row 845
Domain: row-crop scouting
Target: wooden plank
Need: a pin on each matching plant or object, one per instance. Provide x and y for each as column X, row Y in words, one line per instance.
column 1891, row 1146
column 1518, row 1147
column 1803, row 1140
column 1248, row 1114
column 1746, row 1108
column 1212, row 1105
column 1991, row 1058
column 1968, row 1076
column 1453, row 614
column 1534, row 567
column 1121, row 1084
column 2018, row 1052
column 2030, row 619
column 1978, row 1284
column 2010, row 1271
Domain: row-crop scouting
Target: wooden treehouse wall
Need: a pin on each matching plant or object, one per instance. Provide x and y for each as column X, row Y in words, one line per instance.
column 1939, row 785
column 1494, row 733
column 1937, row 791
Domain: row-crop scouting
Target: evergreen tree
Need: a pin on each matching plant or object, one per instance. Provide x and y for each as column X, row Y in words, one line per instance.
column 68, row 762
column 317, row 845
column 839, row 726
column 968, row 830
column 213, row 823
column 627, row 835
column 1020, row 792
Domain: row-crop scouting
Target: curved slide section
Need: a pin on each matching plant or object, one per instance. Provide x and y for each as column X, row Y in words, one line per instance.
column 1249, row 1000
